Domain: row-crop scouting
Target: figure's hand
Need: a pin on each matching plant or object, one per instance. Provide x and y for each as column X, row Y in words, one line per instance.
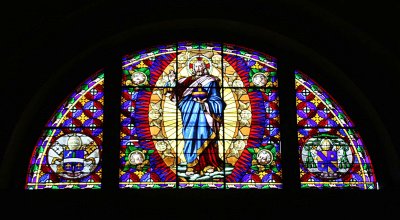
column 200, row 100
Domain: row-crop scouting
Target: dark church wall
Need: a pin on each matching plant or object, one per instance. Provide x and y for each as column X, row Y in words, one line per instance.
column 351, row 49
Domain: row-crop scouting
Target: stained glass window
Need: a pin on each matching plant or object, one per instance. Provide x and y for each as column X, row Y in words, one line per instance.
column 200, row 115
column 68, row 153
column 332, row 153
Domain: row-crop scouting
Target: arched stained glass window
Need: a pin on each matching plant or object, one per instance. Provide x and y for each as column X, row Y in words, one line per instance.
column 68, row 154
column 332, row 154
column 200, row 115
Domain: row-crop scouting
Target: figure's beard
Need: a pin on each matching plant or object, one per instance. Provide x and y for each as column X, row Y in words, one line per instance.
column 199, row 73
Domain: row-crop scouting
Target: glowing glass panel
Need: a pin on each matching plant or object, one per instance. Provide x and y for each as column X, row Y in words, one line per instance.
column 200, row 115
column 68, row 153
column 332, row 153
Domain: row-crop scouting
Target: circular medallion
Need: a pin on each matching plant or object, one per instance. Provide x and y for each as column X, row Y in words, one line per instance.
column 138, row 78
column 73, row 156
column 264, row 157
column 136, row 157
column 259, row 79
column 327, row 156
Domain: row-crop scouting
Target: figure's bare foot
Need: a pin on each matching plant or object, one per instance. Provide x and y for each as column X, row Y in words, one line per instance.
column 188, row 173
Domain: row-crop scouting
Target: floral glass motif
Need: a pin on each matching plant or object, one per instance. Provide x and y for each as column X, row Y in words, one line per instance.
column 199, row 115
column 332, row 153
column 68, row 154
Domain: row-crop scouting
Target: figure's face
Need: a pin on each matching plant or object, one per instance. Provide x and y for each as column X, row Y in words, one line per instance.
column 198, row 68
column 171, row 76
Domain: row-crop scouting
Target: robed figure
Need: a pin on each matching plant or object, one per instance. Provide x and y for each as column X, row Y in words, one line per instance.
column 201, row 107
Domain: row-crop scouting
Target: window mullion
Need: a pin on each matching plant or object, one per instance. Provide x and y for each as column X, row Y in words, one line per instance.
column 288, row 124
column 112, row 103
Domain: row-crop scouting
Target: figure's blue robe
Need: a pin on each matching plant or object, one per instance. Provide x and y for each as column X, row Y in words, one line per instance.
column 197, row 132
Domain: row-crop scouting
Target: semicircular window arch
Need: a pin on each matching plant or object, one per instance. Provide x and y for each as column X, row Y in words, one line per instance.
column 332, row 153
column 196, row 115
column 68, row 153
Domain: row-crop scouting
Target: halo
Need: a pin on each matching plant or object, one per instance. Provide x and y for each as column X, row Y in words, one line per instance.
column 195, row 58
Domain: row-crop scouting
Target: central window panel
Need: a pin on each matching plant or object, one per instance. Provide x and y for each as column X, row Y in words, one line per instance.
column 199, row 115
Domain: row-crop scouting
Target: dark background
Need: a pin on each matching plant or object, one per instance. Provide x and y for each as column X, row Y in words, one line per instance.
column 47, row 48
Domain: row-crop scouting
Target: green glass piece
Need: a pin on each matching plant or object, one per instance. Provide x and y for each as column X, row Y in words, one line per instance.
column 85, row 87
column 59, row 115
column 71, row 100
